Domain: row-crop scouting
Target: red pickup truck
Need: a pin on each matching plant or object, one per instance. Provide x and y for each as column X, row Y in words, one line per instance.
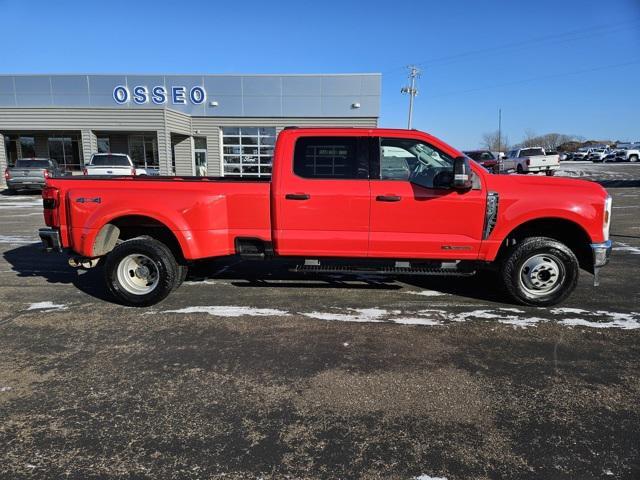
column 340, row 200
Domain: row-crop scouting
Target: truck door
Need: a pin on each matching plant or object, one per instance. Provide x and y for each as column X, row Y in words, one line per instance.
column 414, row 212
column 322, row 201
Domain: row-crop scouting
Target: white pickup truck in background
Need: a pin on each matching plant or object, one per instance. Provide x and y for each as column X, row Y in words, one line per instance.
column 115, row 164
column 109, row 164
column 531, row 160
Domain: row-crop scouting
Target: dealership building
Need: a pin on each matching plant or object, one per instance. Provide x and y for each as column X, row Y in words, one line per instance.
column 215, row 125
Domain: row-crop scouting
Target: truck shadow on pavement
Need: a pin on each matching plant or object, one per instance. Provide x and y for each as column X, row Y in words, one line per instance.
column 31, row 261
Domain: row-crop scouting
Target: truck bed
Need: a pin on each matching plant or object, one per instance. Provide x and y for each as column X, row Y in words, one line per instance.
column 205, row 214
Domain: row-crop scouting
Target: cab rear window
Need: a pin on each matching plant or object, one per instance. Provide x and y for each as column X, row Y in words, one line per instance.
column 110, row 160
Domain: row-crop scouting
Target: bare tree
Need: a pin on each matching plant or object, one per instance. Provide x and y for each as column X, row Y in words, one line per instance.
column 491, row 142
column 548, row 141
column 530, row 139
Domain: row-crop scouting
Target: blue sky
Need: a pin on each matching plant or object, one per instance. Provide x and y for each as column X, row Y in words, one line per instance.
column 563, row 66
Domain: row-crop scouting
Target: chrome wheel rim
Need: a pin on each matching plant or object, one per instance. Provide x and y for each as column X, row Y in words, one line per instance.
column 541, row 275
column 138, row 274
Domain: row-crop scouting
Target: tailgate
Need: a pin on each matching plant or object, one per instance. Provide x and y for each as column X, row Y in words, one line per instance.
column 544, row 161
column 116, row 170
column 27, row 173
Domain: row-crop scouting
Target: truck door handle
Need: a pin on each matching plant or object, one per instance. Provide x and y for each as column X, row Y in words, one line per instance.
column 297, row 196
column 388, row 198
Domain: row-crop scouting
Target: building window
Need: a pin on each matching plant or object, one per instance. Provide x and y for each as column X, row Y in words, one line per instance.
column 11, row 144
column 28, row 147
column 104, row 145
column 65, row 151
column 339, row 158
column 247, row 151
column 143, row 150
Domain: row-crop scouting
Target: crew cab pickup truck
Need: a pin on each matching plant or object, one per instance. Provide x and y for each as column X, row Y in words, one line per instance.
column 340, row 200
column 628, row 154
column 531, row 160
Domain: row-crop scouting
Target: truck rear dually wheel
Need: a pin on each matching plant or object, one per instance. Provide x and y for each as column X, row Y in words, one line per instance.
column 141, row 272
column 539, row 271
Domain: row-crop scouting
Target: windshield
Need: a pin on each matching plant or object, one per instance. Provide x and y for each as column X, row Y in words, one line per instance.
column 531, row 152
column 110, row 160
column 32, row 163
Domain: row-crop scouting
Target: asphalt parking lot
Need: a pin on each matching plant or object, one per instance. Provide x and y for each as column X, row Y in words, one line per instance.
column 279, row 375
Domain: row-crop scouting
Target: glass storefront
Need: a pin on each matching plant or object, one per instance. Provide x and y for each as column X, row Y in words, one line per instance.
column 104, row 145
column 143, row 150
column 247, row 151
column 66, row 151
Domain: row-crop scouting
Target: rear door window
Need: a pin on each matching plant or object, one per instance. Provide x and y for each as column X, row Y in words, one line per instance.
column 338, row 158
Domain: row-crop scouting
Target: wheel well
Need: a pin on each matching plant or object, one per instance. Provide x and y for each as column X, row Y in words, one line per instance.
column 565, row 231
column 133, row 226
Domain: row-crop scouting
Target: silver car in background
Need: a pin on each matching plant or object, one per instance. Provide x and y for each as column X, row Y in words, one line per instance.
column 31, row 173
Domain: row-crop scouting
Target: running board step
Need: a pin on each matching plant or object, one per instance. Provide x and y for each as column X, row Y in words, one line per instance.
column 452, row 272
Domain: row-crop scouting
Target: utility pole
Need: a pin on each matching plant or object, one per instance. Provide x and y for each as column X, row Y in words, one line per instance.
column 414, row 72
column 499, row 139
column 499, row 129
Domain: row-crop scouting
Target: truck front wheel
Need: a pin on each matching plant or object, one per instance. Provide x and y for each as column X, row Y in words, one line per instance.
column 540, row 271
column 141, row 272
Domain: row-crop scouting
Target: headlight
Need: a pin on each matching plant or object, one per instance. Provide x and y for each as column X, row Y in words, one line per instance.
column 606, row 219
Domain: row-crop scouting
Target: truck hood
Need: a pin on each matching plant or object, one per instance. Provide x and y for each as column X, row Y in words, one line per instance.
column 537, row 185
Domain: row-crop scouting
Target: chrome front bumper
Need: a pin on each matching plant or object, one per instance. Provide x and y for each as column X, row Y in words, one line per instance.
column 601, row 253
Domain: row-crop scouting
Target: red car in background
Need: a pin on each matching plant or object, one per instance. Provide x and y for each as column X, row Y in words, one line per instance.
column 485, row 158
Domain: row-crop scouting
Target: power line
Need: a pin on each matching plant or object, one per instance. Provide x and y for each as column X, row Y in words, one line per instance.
column 587, row 32
column 531, row 79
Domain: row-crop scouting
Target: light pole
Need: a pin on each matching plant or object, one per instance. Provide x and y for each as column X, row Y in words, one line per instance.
column 414, row 72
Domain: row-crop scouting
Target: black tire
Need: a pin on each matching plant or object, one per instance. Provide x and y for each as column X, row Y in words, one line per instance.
column 183, row 271
column 157, row 259
column 531, row 258
column 550, row 173
column 11, row 191
column 633, row 158
column 519, row 170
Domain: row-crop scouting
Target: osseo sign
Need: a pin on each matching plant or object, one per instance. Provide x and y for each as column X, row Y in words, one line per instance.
column 160, row 95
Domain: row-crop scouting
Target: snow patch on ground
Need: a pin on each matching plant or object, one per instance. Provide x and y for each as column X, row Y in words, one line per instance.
column 428, row 477
column 417, row 321
column 16, row 239
column 427, row 293
column 13, row 204
column 359, row 315
column 621, row 324
column 48, row 306
column 231, row 311
column 563, row 310
column 199, row 282
column 517, row 318
column 625, row 247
